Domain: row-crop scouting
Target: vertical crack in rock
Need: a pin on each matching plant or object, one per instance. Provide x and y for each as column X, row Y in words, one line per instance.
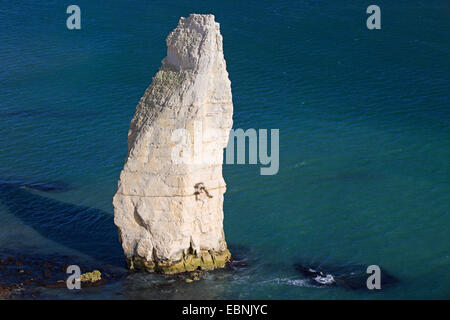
column 169, row 202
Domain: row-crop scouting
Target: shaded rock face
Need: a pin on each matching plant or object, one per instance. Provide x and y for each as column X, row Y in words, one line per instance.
column 169, row 202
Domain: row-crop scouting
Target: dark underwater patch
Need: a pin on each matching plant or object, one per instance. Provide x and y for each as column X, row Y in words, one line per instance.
column 349, row 277
column 44, row 186
column 239, row 257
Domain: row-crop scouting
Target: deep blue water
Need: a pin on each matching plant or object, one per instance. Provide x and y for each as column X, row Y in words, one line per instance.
column 364, row 138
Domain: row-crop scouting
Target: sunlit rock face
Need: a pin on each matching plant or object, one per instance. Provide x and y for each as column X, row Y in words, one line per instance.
column 169, row 202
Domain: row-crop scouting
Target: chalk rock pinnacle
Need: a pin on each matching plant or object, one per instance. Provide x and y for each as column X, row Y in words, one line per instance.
column 169, row 202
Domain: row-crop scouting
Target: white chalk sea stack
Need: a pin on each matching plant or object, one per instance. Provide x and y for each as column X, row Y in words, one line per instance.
column 169, row 203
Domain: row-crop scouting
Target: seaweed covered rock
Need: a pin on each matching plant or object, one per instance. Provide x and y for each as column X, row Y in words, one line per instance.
column 93, row 276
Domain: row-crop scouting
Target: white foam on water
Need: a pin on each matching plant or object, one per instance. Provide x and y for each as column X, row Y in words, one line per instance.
column 291, row 282
column 329, row 279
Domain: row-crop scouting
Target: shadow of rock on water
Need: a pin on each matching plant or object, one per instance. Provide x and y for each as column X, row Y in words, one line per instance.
column 349, row 277
column 44, row 186
column 88, row 230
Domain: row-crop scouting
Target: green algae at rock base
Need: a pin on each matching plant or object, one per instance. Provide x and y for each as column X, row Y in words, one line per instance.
column 205, row 260
column 138, row 263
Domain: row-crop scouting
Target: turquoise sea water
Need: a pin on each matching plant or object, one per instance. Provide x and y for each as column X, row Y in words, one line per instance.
column 364, row 138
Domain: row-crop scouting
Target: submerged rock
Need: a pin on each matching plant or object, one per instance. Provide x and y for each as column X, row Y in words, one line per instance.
column 169, row 203
column 352, row 277
column 22, row 275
